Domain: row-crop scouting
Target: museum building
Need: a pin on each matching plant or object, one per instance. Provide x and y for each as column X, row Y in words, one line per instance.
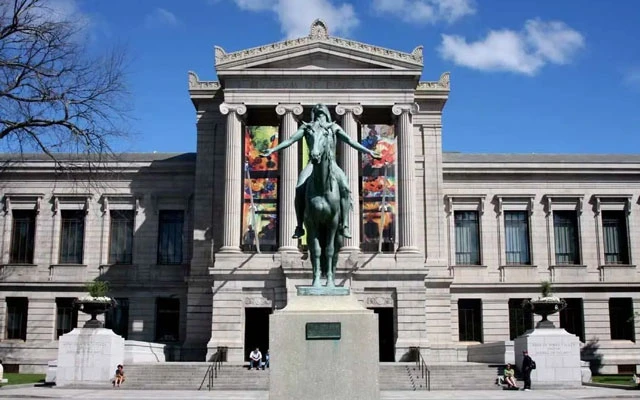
column 198, row 249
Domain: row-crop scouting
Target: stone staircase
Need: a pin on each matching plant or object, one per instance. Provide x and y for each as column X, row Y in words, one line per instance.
column 233, row 376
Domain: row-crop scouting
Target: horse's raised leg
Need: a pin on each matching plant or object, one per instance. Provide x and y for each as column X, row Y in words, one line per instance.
column 314, row 250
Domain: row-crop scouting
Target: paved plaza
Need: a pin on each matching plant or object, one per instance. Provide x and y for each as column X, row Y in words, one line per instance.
column 30, row 392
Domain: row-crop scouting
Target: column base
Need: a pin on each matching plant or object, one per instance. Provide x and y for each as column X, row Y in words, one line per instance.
column 350, row 249
column 409, row 249
column 230, row 249
column 288, row 249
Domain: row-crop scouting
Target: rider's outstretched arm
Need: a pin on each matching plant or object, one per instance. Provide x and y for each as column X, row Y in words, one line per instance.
column 345, row 138
column 286, row 143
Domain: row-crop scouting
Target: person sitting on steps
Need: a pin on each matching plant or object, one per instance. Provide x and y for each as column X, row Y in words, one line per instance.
column 510, row 377
column 119, row 378
column 255, row 359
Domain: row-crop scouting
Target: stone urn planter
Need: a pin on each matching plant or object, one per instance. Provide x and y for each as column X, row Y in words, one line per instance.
column 94, row 306
column 545, row 306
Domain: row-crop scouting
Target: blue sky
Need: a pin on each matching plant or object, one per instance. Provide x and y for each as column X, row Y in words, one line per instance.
column 540, row 76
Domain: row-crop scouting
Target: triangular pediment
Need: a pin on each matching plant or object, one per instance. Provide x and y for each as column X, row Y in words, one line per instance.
column 318, row 50
column 318, row 60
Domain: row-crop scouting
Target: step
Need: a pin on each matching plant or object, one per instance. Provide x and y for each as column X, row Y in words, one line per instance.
column 235, row 376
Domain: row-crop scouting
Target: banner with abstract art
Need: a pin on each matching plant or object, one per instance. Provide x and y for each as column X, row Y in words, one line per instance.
column 379, row 188
column 260, row 208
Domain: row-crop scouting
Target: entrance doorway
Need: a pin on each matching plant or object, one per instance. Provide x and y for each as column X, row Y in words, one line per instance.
column 256, row 330
column 386, row 334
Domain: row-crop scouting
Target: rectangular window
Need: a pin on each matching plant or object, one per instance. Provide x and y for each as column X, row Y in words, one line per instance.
column 621, row 319
column 117, row 318
column 261, row 178
column 467, row 234
column 23, row 236
column 121, row 240
column 520, row 319
column 470, row 320
column 516, row 230
column 167, row 319
column 72, row 237
column 614, row 231
column 170, row 236
column 378, row 189
column 17, row 311
column 572, row 318
column 565, row 229
column 66, row 316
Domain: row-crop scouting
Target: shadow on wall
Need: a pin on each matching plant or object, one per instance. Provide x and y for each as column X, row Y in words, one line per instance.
column 150, row 281
column 589, row 352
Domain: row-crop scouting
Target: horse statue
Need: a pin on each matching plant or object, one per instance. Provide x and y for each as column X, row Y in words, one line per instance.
column 323, row 199
column 322, row 212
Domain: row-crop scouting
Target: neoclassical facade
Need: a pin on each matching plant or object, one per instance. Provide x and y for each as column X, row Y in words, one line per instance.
column 445, row 246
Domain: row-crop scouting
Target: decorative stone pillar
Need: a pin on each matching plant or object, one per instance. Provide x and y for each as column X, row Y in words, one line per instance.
column 232, row 177
column 349, row 162
column 406, row 179
column 288, row 177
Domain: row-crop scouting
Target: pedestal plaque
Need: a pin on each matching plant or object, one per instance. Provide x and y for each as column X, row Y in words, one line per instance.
column 324, row 347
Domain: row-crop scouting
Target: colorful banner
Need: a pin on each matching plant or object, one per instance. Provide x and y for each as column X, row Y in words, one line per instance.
column 260, row 208
column 379, row 188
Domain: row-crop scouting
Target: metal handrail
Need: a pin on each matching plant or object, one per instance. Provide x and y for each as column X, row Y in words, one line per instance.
column 425, row 372
column 212, row 371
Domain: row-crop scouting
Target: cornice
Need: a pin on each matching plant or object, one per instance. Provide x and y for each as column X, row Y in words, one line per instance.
column 318, row 33
column 444, row 83
column 196, row 84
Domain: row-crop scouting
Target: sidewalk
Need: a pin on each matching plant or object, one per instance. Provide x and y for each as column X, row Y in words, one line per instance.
column 29, row 392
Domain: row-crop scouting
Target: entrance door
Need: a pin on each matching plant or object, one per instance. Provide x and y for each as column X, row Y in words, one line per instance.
column 386, row 334
column 256, row 330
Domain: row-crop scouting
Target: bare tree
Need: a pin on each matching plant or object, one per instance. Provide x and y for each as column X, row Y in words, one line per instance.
column 54, row 98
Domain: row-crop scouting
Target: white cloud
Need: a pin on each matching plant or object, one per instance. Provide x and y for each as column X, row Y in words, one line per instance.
column 161, row 16
column 525, row 52
column 426, row 11
column 61, row 11
column 295, row 16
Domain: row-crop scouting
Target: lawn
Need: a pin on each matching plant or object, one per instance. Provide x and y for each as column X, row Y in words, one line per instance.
column 18, row 379
column 626, row 380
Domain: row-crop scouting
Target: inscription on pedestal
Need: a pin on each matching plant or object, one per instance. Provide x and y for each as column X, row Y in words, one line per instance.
column 323, row 330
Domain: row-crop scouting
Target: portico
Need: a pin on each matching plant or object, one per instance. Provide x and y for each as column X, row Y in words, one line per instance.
column 362, row 84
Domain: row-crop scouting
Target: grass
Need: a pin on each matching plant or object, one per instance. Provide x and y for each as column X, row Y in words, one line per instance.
column 626, row 380
column 19, row 379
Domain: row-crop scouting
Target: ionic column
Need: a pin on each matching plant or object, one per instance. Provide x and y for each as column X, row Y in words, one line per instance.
column 406, row 179
column 232, row 177
column 349, row 162
column 288, row 177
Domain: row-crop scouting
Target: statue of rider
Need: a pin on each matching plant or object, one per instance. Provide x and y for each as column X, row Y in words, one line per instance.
column 321, row 120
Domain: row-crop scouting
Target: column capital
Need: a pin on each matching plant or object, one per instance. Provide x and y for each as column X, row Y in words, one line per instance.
column 344, row 108
column 400, row 108
column 238, row 108
column 283, row 108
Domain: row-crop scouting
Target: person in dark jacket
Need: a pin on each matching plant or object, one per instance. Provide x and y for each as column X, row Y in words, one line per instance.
column 527, row 366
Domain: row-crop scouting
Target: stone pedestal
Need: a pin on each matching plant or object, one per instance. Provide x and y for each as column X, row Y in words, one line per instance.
column 315, row 361
column 88, row 356
column 557, row 356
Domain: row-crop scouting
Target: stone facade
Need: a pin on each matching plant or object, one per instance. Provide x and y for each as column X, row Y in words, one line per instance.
column 418, row 285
